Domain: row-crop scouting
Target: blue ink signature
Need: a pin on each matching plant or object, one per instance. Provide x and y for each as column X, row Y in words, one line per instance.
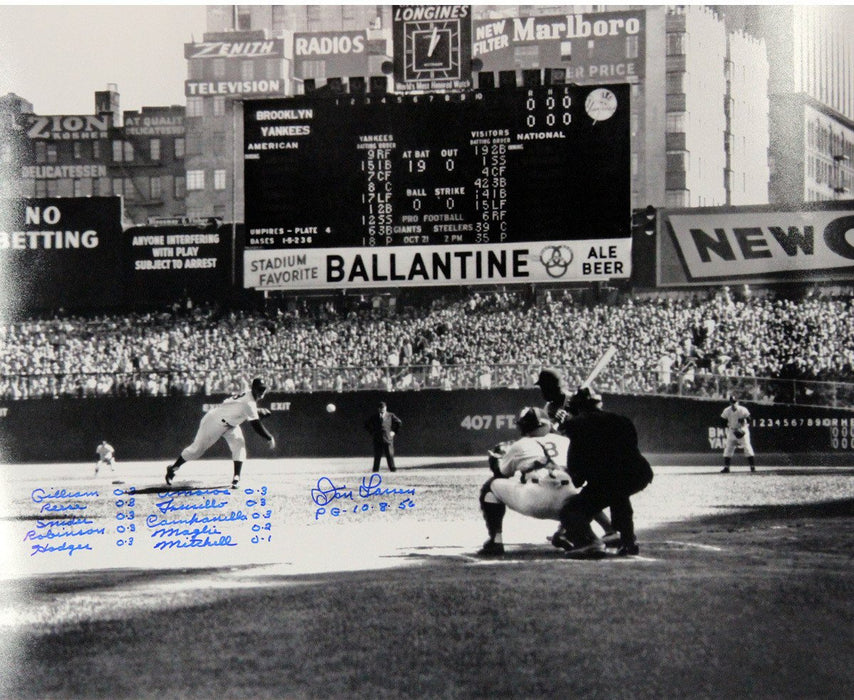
column 223, row 541
column 169, row 505
column 187, row 532
column 371, row 487
column 325, row 492
column 64, row 547
column 40, row 495
column 235, row 516
column 54, row 534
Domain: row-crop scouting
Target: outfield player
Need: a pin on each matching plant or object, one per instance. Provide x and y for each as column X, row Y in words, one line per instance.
column 106, row 456
column 223, row 421
column 736, row 420
column 542, row 485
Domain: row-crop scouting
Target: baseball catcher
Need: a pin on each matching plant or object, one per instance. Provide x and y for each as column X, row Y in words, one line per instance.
column 529, row 476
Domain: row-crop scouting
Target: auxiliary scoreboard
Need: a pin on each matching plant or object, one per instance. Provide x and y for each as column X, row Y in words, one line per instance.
column 508, row 175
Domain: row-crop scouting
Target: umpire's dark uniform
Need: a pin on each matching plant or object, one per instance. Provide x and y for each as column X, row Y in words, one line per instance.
column 604, row 457
column 382, row 426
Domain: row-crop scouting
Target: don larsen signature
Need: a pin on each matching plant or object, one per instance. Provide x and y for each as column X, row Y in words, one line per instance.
column 325, row 492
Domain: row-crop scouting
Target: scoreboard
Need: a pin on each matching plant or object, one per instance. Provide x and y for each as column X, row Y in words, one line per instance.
column 503, row 185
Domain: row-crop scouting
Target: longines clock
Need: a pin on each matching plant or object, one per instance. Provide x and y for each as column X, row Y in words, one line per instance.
column 432, row 50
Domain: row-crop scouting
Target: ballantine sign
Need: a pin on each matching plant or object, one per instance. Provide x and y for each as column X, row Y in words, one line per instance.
column 757, row 244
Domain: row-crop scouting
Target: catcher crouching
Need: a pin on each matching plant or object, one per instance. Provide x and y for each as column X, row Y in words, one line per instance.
column 530, row 477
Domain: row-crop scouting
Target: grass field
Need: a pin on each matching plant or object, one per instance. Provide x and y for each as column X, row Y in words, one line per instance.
column 744, row 588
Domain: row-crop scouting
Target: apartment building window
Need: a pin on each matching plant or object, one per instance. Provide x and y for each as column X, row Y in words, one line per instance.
column 154, row 149
column 117, row 186
column 244, row 18
column 179, row 148
column 194, row 144
column 219, row 179
column 194, row 70
column 155, row 188
column 219, row 143
column 247, row 70
column 41, row 151
column 53, row 188
column 676, row 122
column 180, row 187
column 96, row 150
column 195, row 180
column 128, row 189
column 219, row 106
column 78, row 150
column 41, row 188
column 675, row 44
column 195, row 107
column 128, row 149
column 218, row 68
column 632, row 46
column 51, row 153
column 83, row 187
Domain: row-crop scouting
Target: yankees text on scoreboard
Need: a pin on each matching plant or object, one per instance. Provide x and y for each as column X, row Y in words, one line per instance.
column 506, row 185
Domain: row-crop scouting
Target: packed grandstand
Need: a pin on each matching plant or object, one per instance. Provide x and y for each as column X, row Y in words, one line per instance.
column 769, row 346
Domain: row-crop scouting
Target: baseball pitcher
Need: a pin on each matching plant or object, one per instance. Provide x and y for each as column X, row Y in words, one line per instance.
column 223, row 421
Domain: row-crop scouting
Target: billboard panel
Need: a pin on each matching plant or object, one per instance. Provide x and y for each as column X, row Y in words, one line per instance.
column 167, row 263
column 540, row 174
column 61, row 252
column 600, row 47
column 757, row 244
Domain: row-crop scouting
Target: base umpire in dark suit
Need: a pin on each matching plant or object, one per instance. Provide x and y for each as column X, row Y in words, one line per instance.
column 383, row 426
column 603, row 457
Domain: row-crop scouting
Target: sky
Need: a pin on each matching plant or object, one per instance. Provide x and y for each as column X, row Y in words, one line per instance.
column 58, row 56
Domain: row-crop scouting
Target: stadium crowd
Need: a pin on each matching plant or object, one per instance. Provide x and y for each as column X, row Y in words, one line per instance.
column 667, row 343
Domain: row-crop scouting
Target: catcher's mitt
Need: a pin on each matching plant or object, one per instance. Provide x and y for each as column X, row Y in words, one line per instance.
column 738, row 433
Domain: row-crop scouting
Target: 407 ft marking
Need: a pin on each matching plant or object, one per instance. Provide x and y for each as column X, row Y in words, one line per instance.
column 487, row 422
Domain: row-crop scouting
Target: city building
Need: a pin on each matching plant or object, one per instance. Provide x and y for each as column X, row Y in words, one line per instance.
column 717, row 112
column 811, row 90
column 141, row 160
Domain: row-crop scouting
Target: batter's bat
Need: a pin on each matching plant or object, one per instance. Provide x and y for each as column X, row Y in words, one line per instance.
column 599, row 366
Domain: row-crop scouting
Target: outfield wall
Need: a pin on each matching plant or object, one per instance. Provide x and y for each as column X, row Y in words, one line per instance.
column 435, row 423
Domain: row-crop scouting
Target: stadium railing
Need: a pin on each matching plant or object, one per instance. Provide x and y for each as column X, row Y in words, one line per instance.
column 615, row 379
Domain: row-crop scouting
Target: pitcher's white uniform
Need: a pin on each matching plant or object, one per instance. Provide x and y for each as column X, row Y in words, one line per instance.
column 542, row 485
column 737, row 417
column 223, row 421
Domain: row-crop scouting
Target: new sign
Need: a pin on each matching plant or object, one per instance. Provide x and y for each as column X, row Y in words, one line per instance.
column 762, row 244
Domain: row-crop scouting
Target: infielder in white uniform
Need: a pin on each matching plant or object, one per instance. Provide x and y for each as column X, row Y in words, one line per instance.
column 736, row 420
column 223, row 421
column 106, row 456
column 542, row 486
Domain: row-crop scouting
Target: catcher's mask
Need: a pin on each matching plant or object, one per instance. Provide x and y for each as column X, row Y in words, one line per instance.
column 584, row 400
column 533, row 422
